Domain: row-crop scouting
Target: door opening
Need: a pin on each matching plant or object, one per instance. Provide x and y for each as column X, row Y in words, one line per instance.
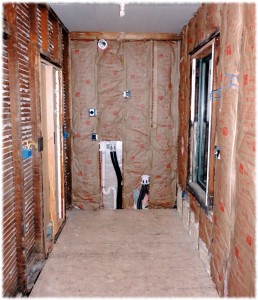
column 52, row 155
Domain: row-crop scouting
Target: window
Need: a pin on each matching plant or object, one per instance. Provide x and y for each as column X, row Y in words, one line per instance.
column 200, row 125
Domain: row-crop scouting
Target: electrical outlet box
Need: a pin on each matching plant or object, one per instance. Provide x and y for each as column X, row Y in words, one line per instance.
column 94, row 137
column 92, row 112
column 26, row 153
column 127, row 94
column 217, row 152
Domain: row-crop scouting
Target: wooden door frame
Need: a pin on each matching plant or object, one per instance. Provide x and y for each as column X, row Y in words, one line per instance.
column 51, row 203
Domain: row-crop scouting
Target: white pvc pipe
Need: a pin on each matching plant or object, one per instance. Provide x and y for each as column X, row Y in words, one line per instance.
column 103, row 169
column 102, row 149
column 108, row 191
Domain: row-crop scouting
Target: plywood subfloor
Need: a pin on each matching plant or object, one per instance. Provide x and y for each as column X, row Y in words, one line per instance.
column 124, row 253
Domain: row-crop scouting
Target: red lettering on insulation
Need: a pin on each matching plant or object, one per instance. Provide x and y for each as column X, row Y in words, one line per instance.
column 76, row 51
column 88, row 81
column 228, row 50
column 168, row 166
column 77, row 94
column 222, row 207
column 114, row 72
column 241, row 169
column 220, row 277
column 88, row 123
column 90, row 200
column 236, row 252
column 190, row 40
column 77, row 135
column 161, row 55
column 249, row 240
column 170, row 86
column 79, row 173
column 89, row 162
column 245, row 79
column 225, row 131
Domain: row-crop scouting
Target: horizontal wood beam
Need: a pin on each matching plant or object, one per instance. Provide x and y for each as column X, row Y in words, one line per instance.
column 124, row 36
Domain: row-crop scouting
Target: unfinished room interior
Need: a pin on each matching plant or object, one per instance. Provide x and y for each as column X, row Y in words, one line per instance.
column 128, row 149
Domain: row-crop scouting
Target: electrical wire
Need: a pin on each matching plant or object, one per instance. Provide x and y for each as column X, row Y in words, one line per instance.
column 119, row 179
column 143, row 192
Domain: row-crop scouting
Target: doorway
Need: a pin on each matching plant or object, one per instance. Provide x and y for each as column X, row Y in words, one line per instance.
column 52, row 154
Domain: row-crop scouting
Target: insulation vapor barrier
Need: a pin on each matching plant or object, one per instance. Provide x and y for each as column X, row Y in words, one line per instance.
column 243, row 246
column 146, row 121
column 230, row 236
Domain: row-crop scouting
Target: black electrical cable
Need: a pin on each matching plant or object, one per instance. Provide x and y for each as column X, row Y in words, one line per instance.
column 113, row 162
column 144, row 190
column 118, row 168
column 119, row 179
column 140, row 198
column 119, row 188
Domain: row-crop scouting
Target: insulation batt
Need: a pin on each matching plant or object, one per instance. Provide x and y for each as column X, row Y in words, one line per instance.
column 230, row 235
column 149, row 135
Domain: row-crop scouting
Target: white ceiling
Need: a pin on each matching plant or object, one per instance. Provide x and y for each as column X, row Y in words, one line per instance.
column 139, row 17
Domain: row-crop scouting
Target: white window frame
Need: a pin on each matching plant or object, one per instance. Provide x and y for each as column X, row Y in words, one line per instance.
column 193, row 151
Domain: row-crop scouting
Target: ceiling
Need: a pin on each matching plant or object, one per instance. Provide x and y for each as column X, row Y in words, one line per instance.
column 157, row 17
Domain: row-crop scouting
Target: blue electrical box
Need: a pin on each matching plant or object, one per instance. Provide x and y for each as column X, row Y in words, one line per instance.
column 26, row 153
column 66, row 135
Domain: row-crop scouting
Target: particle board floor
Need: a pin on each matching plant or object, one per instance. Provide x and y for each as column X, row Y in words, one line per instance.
column 124, row 253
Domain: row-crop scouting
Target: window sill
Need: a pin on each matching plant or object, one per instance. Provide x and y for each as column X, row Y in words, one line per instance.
column 200, row 197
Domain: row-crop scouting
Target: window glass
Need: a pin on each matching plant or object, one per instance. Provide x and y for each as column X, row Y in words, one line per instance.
column 202, row 116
